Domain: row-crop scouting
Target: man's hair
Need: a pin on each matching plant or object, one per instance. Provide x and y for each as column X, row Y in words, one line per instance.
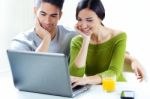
column 57, row 3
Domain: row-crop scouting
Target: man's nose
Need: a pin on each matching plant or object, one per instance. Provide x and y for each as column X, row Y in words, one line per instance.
column 47, row 20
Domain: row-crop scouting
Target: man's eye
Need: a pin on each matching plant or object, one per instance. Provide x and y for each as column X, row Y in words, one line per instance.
column 43, row 14
column 79, row 19
column 54, row 16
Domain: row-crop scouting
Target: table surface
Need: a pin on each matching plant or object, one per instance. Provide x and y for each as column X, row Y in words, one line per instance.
column 7, row 91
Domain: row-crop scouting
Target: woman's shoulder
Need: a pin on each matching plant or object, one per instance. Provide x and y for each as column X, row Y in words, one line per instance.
column 118, row 34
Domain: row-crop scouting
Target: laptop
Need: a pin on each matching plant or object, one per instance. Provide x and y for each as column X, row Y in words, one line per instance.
column 46, row 73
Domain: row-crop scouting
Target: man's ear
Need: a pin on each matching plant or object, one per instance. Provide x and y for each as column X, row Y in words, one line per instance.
column 60, row 14
column 35, row 10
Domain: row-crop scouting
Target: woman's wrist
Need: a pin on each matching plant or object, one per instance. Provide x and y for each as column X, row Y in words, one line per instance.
column 96, row 79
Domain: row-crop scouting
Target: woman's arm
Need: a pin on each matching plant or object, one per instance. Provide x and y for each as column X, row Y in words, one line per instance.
column 80, row 60
column 79, row 49
column 78, row 54
column 115, row 66
column 75, row 46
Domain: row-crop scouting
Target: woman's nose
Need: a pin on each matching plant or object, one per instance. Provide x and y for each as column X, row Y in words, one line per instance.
column 84, row 25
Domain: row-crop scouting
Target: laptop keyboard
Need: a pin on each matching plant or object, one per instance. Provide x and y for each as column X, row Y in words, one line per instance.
column 78, row 87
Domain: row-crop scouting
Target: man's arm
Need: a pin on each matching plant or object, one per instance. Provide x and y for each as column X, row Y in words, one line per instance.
column 135, row 65
column 44, row 35
column 21, row 44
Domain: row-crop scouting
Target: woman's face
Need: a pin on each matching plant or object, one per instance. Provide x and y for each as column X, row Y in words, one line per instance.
column 88, row 21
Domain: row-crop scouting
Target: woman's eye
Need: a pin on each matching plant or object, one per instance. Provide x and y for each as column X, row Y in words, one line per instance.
column 89, row 20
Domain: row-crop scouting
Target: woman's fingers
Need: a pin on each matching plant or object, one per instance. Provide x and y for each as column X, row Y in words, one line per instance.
column 77, row 81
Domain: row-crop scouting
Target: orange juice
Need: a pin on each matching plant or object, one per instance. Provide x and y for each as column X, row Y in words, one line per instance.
column 108, row 84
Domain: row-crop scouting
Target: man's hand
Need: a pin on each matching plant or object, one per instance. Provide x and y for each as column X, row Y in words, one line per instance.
column 138, row 70
column 41, row 32
column 44, row 35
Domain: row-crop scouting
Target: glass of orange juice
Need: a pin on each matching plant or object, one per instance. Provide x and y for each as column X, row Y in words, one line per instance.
column 109, row 82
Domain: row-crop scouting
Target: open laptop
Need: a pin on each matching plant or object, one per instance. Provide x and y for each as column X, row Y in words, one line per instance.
column 45, row 73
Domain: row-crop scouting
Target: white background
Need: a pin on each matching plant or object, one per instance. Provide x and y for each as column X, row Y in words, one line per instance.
column 131, row 16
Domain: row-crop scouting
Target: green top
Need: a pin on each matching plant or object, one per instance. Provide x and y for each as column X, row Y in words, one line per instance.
column 107, row 57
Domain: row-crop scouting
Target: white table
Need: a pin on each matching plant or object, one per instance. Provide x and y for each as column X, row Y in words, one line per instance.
column 7, row 91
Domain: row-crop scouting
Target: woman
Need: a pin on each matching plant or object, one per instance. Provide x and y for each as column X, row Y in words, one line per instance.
column 98, row 50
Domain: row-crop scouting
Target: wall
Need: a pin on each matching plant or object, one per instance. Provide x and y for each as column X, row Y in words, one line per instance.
column 15, row 17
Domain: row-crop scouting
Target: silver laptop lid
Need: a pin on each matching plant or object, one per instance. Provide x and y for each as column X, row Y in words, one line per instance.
column 40, row 72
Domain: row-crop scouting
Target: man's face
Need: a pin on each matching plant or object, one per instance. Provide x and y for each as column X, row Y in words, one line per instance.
column 48, row 16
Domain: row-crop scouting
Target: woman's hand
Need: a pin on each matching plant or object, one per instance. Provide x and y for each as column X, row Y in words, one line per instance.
column 80, row 59
column 42, row 33
column 78, row 81
column 85, row 80
column 86, row 36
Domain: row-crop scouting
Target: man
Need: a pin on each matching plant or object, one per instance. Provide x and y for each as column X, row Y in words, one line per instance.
column 47, row 36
